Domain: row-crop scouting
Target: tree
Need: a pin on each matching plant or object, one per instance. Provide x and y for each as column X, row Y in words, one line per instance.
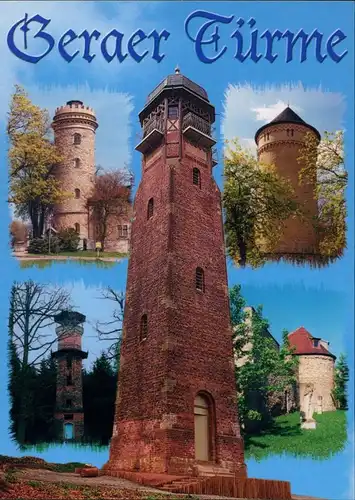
column 340, row 383
column 262, row 369
column 18, row 231
column 32, row 159
column 110, row 197
column 33, row 307
column 99, row 391
column 112, row 329
column 257, row 203
column 324, row 166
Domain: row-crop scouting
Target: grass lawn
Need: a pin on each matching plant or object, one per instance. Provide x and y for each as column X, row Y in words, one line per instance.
column 287, row 438
column 86, row 253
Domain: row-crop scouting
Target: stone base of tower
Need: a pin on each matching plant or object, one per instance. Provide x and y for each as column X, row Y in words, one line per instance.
column 170, row 451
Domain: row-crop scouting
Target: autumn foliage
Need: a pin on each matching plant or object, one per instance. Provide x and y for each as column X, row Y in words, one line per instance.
column 110, row 196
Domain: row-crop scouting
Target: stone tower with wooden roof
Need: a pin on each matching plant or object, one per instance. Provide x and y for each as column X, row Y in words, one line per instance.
column 69, row 412
column 176, row 407
column 279, row 143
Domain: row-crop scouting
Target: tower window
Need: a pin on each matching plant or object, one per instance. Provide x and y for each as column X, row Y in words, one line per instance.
column 200, row 279
column 144, row 327
column 68, row 403
column 315, row 342
column 150, row 208
column 77, row 227
column 292, row 132
column 68, row 416
column 288, row 132
column 69, row 379
column 69, row 362
column 173, row 112
column 196, row 177
column 77, row 193
column 123, row 231
column 267, row 136
column 77, row 138
column 77, row 162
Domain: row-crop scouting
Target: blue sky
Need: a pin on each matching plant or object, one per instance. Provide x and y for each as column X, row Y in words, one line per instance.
column 246, row 96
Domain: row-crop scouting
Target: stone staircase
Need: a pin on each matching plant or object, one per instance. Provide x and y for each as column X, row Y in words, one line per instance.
column 212, row 470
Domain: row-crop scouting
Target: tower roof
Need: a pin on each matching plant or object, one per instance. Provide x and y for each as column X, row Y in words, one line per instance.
column 302, row 340
column 287, row 116
column 173, row 82
column 69, row 318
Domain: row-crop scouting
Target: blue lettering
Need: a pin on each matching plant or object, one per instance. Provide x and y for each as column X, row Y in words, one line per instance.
column 200, row 41
column 40, row 34
column 337, row 37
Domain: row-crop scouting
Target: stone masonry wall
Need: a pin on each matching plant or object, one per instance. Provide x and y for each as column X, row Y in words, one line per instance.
column 317, row 371
column 74, row 175
column 72, row 392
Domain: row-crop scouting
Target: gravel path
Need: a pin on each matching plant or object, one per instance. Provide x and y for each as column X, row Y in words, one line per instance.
column 66, row 477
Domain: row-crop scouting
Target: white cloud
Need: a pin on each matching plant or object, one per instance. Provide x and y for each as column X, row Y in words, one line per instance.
column 268, row 113
column 246, row 108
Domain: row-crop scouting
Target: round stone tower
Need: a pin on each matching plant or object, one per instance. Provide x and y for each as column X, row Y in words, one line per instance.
column 279, row 143
column 74, row 128
column 315, row 371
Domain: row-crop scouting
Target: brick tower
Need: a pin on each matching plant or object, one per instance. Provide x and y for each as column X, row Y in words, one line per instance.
column 74, row 128
column 176, row 408
column 279, row 143
column 69, row 413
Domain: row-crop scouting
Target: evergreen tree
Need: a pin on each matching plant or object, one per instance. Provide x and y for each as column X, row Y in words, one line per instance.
column 99, row 396
column 341, row 381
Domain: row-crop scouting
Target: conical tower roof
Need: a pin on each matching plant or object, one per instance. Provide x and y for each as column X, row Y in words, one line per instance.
column 287, row 116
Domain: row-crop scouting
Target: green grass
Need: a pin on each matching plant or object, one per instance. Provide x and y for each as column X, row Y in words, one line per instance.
column 286, row 437
column 48, row 262
column 86, row 253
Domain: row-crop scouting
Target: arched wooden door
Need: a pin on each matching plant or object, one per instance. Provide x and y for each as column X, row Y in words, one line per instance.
column 202, row 428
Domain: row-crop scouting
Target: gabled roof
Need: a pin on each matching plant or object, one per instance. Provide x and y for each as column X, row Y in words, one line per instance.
column 287, row 116
column 302, row 340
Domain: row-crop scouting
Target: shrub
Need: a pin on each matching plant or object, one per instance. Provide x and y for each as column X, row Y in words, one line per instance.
column 69, row 240
column 38, row 246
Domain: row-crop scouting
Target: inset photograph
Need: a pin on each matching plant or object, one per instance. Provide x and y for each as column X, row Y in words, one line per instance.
column 284, row 177
column 63, row 205
column 64, row 359
column 63, row 363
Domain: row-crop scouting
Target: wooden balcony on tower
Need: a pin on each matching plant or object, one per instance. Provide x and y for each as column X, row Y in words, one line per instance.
column 198, row 130
column 152, row 136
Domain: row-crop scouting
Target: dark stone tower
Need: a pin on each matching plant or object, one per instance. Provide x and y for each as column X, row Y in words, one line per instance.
column 69, row 413
column 176, row 408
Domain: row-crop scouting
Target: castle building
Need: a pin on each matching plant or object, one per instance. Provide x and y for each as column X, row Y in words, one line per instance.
column 74, row 127
column 279, row 143
column 69, row 413
column 315, row 370
column 176, row 408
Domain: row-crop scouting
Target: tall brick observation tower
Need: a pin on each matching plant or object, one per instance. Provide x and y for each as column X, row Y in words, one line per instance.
column 69, row 413
column 176, row 407
column 279, row 143
column 74, row 128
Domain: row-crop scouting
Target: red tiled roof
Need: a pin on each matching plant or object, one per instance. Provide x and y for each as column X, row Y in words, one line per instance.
column 302, row 340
